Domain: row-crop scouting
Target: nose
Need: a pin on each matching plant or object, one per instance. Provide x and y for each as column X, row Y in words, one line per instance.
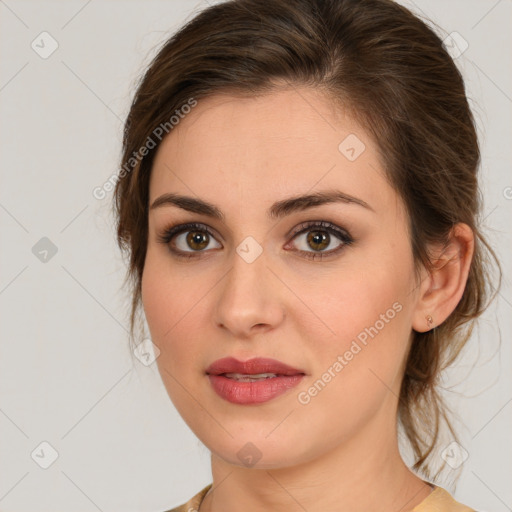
column 249, row 299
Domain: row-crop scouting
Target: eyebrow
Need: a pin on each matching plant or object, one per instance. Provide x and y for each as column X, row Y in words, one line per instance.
column 278, row 210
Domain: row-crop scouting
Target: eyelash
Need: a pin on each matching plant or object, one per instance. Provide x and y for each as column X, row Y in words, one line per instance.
column 169, row 233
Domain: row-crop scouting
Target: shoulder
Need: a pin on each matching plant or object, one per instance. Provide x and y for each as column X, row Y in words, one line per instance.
column 440, row 500
column 192, row 505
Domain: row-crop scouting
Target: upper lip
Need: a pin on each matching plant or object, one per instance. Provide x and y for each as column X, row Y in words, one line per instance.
column 251, row 367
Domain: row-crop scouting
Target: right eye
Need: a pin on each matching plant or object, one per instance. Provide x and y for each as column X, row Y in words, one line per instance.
column 188, row 240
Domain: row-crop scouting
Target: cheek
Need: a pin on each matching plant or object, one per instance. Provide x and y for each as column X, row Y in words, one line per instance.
column 156, row 299
column 174, row 302
column 368, row 315
column 164, row 305
column 357, row 370
column 170, row 317
column 375, row 294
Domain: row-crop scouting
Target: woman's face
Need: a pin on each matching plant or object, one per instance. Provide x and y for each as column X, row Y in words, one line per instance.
column 252, row 289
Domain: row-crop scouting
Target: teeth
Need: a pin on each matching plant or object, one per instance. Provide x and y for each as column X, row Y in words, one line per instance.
column 250, row 378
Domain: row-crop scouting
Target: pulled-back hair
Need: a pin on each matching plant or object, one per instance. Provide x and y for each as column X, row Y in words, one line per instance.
column 391, row 72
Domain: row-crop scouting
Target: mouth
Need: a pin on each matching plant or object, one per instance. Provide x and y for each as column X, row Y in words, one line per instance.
column 257, row 367
column 254, row 381
column 240, row 377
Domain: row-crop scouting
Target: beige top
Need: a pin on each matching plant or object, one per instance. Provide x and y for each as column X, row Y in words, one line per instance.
column 438, row 500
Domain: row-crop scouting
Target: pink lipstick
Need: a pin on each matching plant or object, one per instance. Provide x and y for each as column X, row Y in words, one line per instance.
column 253, row 381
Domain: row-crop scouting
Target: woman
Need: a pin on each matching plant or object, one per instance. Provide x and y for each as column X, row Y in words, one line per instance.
column 298, row 200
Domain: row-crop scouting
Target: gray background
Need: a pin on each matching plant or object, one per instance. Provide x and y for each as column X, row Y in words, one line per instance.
column 66, row 376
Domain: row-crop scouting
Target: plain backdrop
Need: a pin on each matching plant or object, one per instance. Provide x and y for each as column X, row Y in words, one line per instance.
column 66, row 376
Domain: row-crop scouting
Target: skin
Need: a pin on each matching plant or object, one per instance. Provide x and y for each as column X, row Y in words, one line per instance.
column 243, row 154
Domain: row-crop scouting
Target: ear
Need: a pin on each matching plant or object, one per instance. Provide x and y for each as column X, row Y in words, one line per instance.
column 442, row 286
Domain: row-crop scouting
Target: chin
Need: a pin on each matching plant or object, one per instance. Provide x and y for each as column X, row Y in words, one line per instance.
column 253, row 448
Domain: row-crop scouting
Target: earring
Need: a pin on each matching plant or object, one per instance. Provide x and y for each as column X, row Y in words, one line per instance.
column 430, row 321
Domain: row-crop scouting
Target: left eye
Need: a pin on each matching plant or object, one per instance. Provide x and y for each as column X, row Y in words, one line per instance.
column 197, row 237
column 318, row 236
column 317, row 239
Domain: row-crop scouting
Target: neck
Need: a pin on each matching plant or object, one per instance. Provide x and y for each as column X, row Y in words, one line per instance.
column 366, row 472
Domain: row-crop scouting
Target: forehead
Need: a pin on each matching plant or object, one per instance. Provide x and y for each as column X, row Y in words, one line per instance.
column 287, row 142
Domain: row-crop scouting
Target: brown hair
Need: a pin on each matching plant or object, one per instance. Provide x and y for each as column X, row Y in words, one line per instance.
column 391, row 70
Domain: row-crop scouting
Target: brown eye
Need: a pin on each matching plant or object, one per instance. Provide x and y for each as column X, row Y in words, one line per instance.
column 188, row 239
column 318, row 240
column 197, row 240
column 193, row 241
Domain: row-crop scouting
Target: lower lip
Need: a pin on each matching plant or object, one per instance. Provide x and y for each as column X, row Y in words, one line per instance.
column 256, row 392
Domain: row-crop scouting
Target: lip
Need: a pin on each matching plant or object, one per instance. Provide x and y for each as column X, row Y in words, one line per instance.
column 245, row 393
column 251, row 366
